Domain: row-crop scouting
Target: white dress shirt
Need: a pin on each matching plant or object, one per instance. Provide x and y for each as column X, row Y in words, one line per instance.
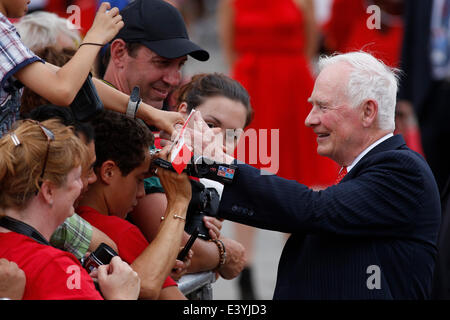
column 362, row 154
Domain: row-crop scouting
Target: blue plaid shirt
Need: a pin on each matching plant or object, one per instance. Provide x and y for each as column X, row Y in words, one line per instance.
column 14, row 55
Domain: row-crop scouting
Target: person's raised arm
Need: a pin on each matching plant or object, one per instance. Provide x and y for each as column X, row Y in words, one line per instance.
column 157, row 260
column 60, row 86
column 206, row 256
column 117, row 101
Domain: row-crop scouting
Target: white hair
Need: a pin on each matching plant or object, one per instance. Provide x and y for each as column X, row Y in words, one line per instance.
column 369, row 78
column 41, row 29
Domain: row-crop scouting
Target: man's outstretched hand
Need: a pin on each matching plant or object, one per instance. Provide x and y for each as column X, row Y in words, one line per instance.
column 201, row 139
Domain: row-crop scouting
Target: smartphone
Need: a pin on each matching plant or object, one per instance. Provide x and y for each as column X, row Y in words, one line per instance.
column 102, row 255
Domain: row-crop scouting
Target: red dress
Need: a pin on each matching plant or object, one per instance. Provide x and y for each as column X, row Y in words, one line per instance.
column 271, row 65
column 347, row 31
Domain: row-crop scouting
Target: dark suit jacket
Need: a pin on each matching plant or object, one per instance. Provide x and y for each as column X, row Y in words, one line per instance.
column 385, row 212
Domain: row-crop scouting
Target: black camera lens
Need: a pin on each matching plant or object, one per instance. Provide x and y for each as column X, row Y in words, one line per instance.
column 204, row 201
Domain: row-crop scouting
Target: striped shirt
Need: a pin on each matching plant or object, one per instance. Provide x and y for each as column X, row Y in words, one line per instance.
column 14, row 55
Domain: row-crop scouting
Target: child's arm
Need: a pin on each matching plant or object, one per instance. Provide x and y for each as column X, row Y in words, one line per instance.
column 114, row 99
column 61, row 86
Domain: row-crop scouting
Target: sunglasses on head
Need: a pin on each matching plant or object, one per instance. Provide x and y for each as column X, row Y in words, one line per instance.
column 50, row 137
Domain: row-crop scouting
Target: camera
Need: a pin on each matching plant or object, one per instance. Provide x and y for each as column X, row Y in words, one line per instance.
column 204, row 202
column 202, row 167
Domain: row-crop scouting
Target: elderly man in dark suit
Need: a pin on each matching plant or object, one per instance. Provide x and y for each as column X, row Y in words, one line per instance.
column 371, row 236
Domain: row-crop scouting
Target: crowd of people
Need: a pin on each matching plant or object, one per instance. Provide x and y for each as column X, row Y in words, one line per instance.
column 360, row 202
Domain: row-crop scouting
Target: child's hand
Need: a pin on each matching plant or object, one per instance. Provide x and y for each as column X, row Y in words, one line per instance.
column 105, row 26
column 163, row 120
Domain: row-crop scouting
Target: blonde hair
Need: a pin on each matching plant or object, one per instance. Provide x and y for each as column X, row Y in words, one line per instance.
column 22, row 156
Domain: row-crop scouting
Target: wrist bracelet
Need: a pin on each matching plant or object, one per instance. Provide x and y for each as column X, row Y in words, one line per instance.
column 222, row 251
column 175, row 216
column 91, row 44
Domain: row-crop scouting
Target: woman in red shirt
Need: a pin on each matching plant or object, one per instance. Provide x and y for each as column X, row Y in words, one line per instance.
column 40, row 178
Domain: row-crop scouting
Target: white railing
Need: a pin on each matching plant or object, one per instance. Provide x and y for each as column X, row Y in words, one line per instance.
column 197, row 286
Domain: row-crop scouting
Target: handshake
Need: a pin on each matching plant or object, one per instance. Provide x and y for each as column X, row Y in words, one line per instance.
column 209, row 145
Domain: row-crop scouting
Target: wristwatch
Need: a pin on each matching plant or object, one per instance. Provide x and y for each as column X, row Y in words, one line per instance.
column 133, row 103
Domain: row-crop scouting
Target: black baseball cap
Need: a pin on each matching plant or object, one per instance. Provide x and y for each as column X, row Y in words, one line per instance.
column 160, row 27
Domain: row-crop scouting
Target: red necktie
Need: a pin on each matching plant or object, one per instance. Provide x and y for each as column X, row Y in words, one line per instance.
column 341, row 175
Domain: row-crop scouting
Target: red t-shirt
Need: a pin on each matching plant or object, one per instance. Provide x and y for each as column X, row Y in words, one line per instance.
column 129, row 239
column 51, row 274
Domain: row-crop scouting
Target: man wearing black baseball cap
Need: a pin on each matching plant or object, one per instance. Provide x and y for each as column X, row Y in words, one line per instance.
column 150, row 50
column 149, row 53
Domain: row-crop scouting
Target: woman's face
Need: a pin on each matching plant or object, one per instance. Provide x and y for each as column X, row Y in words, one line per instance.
column 226, row 114
column 65, row 196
